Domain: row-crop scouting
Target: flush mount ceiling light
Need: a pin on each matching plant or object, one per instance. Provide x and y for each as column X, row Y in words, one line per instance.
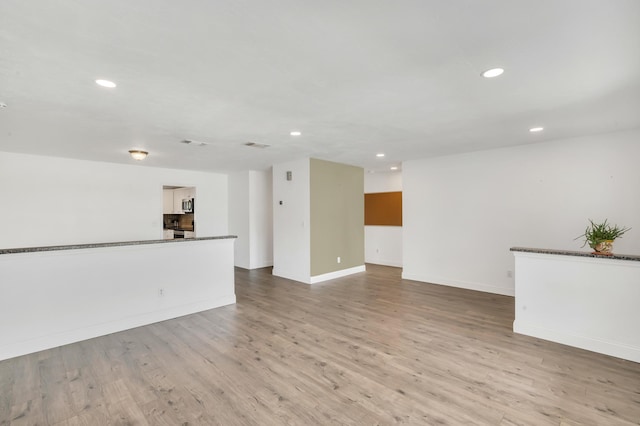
column 394, row 168
column 536, row 129
column 138, row 154
column 295, row 133
column 380, row 155
column 106, row 83
column 493, row 72
column 3, row 105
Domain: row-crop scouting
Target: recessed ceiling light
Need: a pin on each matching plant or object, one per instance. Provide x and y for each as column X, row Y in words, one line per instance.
column 536, row 129
column 394, row 168
column 295, row 133
column 106, row 83
column 138, row 154
column 380, row 155
column 493, row 72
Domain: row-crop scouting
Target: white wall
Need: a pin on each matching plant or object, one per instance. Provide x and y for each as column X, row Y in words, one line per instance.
column 58, row 297
column 587, row 302
column 251, row 218
column 52, row 201
column 383, row 182
column 261, row 218
column 291, row 231
column 383, row 244
column 239, row 200
column 462, row 213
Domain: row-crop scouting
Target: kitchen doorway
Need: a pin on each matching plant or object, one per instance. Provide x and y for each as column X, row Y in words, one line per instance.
column 178, row 212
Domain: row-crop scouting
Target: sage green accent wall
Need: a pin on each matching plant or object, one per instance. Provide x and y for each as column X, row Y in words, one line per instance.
column 337, row 216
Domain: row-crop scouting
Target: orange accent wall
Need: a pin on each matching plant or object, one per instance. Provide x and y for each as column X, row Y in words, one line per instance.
column 383, row 209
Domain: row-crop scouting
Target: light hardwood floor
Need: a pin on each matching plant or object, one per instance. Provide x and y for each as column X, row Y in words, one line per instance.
column 369, row 349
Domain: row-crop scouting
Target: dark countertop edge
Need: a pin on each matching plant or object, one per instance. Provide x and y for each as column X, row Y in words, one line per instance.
column 576, row 253
column 114, row 244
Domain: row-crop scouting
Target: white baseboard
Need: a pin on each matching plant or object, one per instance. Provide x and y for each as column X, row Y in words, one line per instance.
column 96, row 330
column 460, row 284
column 261, row 264
column 294, row 277
column 384, row 262
column 337, row 274
column 595, row 345
column 258, row 266
column 318, row 278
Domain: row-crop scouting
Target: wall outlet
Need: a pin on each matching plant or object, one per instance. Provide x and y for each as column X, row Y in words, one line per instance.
column 509, row 274
column 338, row 259
column 161, row 292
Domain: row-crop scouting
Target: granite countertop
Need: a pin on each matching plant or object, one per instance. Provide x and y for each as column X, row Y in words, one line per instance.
column 115, row 244
column 577, row 253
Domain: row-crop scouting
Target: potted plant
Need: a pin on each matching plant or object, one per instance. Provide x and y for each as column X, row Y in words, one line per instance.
column 600, row 236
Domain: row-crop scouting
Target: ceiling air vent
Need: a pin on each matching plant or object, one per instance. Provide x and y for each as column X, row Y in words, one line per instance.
column 190, row 142
column 257, row 145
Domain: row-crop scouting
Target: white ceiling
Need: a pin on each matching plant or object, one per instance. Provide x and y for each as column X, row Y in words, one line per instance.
column 355, row 77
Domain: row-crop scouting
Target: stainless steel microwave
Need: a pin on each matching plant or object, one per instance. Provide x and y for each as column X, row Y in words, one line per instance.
column 187, row 205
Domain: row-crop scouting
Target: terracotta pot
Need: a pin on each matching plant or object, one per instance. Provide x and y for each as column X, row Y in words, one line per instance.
column 604, row 247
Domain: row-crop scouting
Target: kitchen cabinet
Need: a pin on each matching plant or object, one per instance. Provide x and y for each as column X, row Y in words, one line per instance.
column 178, row 195
column 190, row 192
column 167, row 201
column 167, row 234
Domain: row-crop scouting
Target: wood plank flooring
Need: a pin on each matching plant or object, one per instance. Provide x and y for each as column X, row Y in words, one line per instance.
column 369, row 349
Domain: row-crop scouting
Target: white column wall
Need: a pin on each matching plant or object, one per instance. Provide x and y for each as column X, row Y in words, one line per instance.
column 462, row 213
column 261, row 219
column 239, row 210
column 251, row 218
column 291, row 231
column 383, row 244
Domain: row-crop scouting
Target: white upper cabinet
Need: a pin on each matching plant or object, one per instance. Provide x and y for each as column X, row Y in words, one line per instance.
column 167, row 201
column 178, row 195
column 190, row 192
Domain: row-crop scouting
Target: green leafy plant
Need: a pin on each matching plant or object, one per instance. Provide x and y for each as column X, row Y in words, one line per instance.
column 596, row 233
